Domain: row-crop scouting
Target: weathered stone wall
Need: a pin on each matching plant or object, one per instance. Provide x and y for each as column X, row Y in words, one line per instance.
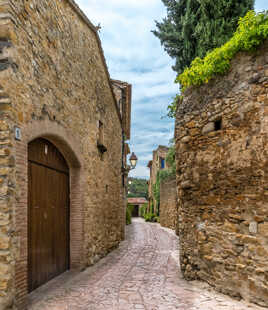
column 168, row 203
column 222, row 176
column 54, row 83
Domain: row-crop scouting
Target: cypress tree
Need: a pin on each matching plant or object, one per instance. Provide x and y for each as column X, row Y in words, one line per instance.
column 194, row 27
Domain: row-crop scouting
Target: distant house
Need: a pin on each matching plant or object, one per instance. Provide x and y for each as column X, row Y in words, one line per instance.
column 158, row 163
column 136, row 203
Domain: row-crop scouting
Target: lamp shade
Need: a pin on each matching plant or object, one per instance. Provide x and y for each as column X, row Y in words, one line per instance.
column 133, row 160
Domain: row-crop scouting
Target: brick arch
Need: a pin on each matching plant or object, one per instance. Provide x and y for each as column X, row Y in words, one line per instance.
column 70, row 149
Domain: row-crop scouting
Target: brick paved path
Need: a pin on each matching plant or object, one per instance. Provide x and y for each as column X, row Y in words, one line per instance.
column 142, row 274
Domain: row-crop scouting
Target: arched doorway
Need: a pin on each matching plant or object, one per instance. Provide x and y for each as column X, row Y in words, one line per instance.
column 48, row 213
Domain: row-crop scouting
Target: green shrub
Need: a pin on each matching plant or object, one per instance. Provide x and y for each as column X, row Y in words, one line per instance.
column 129, row 214
column 151, row 208
column 143, row 210
column 150, row 217
column 251, row 32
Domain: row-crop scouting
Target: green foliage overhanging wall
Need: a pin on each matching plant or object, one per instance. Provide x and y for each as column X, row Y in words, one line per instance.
column 251, row 32
column 194, row 27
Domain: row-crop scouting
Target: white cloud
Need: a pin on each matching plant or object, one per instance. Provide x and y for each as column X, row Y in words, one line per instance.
column 140, row 172
column 135, row 55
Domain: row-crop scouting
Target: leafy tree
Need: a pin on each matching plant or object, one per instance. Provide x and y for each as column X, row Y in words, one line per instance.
column 194, row 27
column 171, row 159
column 251, row 32
column 137, row 188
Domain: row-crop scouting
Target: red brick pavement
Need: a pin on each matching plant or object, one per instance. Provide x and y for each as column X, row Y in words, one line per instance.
column 142, row 274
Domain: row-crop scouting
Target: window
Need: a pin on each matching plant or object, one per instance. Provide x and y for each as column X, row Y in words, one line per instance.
column 218, row 124
column 100, row 141
column 100, row 138
column 162, row 163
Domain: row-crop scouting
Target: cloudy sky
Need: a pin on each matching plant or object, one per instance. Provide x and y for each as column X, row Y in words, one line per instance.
column 134, row 54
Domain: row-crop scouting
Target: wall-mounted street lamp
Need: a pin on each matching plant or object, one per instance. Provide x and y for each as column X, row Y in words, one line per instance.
column 133, row 163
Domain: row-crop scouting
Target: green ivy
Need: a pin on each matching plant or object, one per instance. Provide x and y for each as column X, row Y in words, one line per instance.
column 251, row 32
column 161, row 176
column 151, row 217
column 129, row 214
column 172, row 108
column 143, row 209
column 171, row 159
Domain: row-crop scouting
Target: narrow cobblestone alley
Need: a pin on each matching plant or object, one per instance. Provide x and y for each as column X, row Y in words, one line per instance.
column 142, row 274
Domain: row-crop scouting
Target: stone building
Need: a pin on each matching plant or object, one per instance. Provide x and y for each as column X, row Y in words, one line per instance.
column 222, row 158
column 158, row 163
column 63, row 136
column 137, row 203
column 123, row 95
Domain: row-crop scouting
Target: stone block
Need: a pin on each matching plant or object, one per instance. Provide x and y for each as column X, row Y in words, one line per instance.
column 4, row 219
column 194, row 131
column 208, row 128
column 263, row 229
column 253, row 227
column 191, row 124
column 4, row 242
column 186, row 139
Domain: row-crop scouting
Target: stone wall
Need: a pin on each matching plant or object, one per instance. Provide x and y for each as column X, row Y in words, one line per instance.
column 54, row 83
column 222, row 176
column 168, row 203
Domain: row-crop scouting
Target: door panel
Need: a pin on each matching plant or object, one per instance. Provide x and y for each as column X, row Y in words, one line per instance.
column 48, row 248
column 135, row 212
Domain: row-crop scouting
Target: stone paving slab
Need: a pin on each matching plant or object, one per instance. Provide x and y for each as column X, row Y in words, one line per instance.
column 143, row 274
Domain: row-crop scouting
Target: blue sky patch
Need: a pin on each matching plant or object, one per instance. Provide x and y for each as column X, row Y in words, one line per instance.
column 134, row 54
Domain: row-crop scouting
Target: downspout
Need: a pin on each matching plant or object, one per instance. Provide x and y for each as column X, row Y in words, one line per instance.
column 123, row 158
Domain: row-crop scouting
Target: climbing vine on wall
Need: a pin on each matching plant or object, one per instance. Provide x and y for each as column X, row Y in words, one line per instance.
column 251, row 32
column 172, row 108
column 164, row 174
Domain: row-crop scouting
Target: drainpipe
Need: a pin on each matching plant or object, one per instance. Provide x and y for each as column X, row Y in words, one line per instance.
column 124, row 187
column 123, row 157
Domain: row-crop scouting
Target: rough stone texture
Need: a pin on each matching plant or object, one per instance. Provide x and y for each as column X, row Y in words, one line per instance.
column 142, row 274
column 168, row 203
column 54, row 83
column 222, row 178
column 123, row 95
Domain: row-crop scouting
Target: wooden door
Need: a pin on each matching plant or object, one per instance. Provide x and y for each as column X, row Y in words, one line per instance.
column 48, row 213
column 135, row 212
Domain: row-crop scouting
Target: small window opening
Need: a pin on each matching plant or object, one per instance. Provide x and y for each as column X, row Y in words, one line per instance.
column 100, row 133
column 218, row 124
column 100, row 141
